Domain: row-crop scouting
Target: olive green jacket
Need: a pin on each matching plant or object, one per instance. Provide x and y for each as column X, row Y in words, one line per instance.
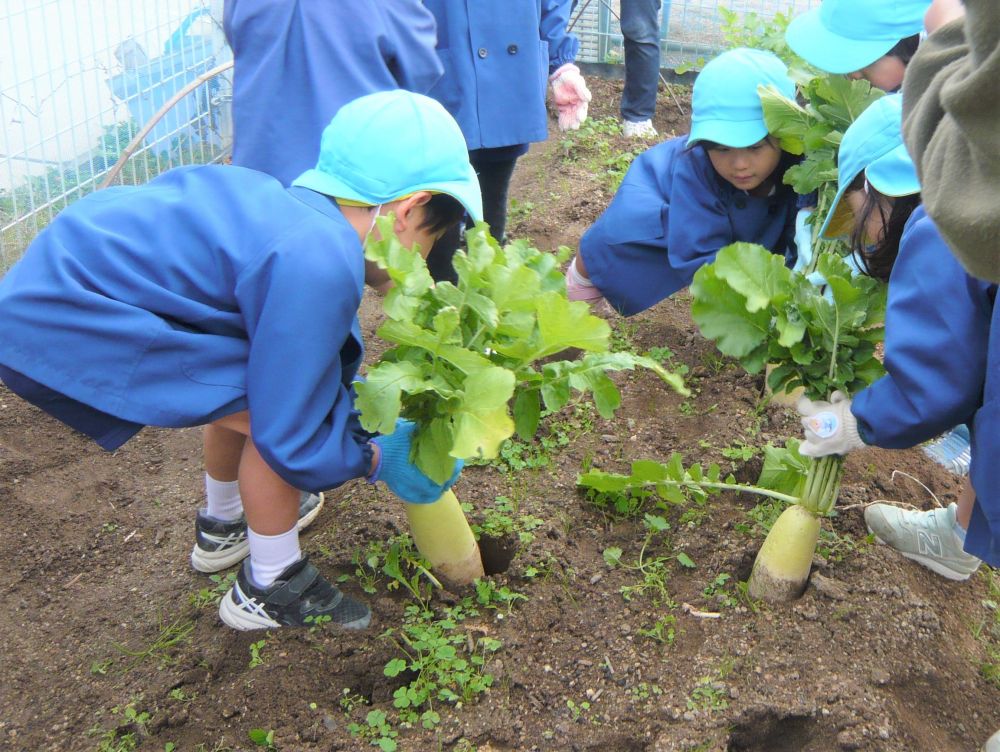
column 951, row 124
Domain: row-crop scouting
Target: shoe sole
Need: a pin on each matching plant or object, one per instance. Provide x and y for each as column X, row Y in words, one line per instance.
column 209, row 562
column 244, row 621
column 932, row 564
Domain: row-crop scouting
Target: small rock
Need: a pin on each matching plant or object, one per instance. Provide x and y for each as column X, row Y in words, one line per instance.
column 880, row 676
column 330, row 723
column 828, row 587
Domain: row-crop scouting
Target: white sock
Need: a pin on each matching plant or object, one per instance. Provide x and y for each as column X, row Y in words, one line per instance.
column 576, row 277
column 270, row 555
column 223, row 499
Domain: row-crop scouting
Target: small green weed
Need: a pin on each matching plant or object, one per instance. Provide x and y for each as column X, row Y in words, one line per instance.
column 652, row 570
column 377, row 730
column 127, row 734
column 447, row 664
column 171, row 637
column 577, row 711
column 263, row 738
column 499, row 598
column 210, row 596
column 502, row 520
column 662, row 631
column 256, row 653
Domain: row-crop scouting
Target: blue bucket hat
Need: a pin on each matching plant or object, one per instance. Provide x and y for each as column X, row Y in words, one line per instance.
column 873, row 143
column 384, row 146
column 725, row 105
column 843, row 36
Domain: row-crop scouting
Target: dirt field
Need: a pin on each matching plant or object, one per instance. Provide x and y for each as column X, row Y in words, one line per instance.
column 112, row 642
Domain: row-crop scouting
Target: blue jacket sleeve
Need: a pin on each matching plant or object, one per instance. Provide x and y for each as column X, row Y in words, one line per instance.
column 411, row 34
column 563, row 46
column 699, row 222
column 300, row 301
column 937, row 329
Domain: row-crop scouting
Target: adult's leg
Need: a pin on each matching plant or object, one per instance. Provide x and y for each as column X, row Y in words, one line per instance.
column 640, row 24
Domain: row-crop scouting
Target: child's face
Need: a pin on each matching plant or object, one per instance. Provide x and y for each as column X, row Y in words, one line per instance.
column 874, row 223
column 746, row 168
column 886, row 73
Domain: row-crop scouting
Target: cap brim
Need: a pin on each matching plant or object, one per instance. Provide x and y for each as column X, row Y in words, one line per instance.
column 893, row 174
column 734, row 134
column 818, row 46
column 839, row 222
column 465, row 191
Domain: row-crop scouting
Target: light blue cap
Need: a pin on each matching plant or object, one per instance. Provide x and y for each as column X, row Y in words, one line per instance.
column 383, row 146
column 844, row 36
column 725, row 105
column 873, row 143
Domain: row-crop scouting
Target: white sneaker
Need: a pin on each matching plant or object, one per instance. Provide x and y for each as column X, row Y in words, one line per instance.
column 993, row 743
column 926, row 537
column 640, row 129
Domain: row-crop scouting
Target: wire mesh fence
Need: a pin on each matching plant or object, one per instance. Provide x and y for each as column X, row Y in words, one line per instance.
column 79, row 80
column 77, row 83
column 689, row 29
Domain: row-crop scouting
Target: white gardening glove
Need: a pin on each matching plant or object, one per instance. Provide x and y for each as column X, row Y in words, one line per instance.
column 830, row 427
column 571, row 95
column 803, row 240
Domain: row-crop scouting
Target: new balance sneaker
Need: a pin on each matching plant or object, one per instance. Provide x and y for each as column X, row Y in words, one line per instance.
column 993, row 743
column 639, row 129
column 218, row 545
column 926, row 537
column 300, row 597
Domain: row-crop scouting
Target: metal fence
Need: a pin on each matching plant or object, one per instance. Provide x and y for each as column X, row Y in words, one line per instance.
column 78, row 80
column 689, row 29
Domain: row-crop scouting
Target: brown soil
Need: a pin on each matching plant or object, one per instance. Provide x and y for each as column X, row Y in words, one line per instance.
column 880, row 655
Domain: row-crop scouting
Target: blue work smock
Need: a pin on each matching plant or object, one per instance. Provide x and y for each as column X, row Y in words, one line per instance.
column 297, row 63
column 497, row 57
column 937, row 334
column 670, row 216
column 205, row 292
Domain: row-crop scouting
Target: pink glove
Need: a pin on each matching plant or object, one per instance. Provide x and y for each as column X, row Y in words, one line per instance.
column 571, row 95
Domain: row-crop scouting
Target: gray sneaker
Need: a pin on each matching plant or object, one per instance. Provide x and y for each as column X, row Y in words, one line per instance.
column 218, row 545
column 993, row 743
column 926, row 537
column 639, row 129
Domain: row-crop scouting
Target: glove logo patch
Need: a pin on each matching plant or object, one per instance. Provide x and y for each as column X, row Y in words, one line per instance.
column 824, row 425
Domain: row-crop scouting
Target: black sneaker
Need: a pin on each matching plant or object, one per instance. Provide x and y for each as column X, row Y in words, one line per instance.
column 299, row 593
column 218, row 545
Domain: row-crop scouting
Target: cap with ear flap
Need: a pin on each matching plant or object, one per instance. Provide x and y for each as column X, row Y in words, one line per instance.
column 874, row 144
column 843, row 36
column 725, row 105
column 383, row 146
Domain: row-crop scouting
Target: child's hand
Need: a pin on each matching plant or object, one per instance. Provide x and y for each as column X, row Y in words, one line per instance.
column 571, row 95
column 830, row 427
column 401, row 476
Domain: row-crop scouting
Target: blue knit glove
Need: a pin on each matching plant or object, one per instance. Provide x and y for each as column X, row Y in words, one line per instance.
column 402, row 476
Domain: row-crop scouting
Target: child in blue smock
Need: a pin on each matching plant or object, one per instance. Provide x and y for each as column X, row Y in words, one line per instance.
column 499, row 59
column 296, row 64
column 864, row 39
column 942, row 349
column 216, row 296
column 684, row 199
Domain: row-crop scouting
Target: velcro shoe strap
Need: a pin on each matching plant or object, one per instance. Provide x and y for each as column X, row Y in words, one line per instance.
column 291, row 590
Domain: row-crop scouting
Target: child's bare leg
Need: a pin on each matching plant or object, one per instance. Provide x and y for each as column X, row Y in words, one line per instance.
column 223, row 450
column 966, row 500
column 270, row 504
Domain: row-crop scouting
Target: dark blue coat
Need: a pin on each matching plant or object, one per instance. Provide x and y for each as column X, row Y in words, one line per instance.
column 207, row 291
column 297, row 63
column 497, row 57
column 670, row 216
column 937, row 336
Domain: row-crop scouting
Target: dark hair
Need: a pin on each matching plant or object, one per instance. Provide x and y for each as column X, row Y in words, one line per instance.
column 441, row 213
column 905, row 48
column 713, row 145
column 877, row 261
